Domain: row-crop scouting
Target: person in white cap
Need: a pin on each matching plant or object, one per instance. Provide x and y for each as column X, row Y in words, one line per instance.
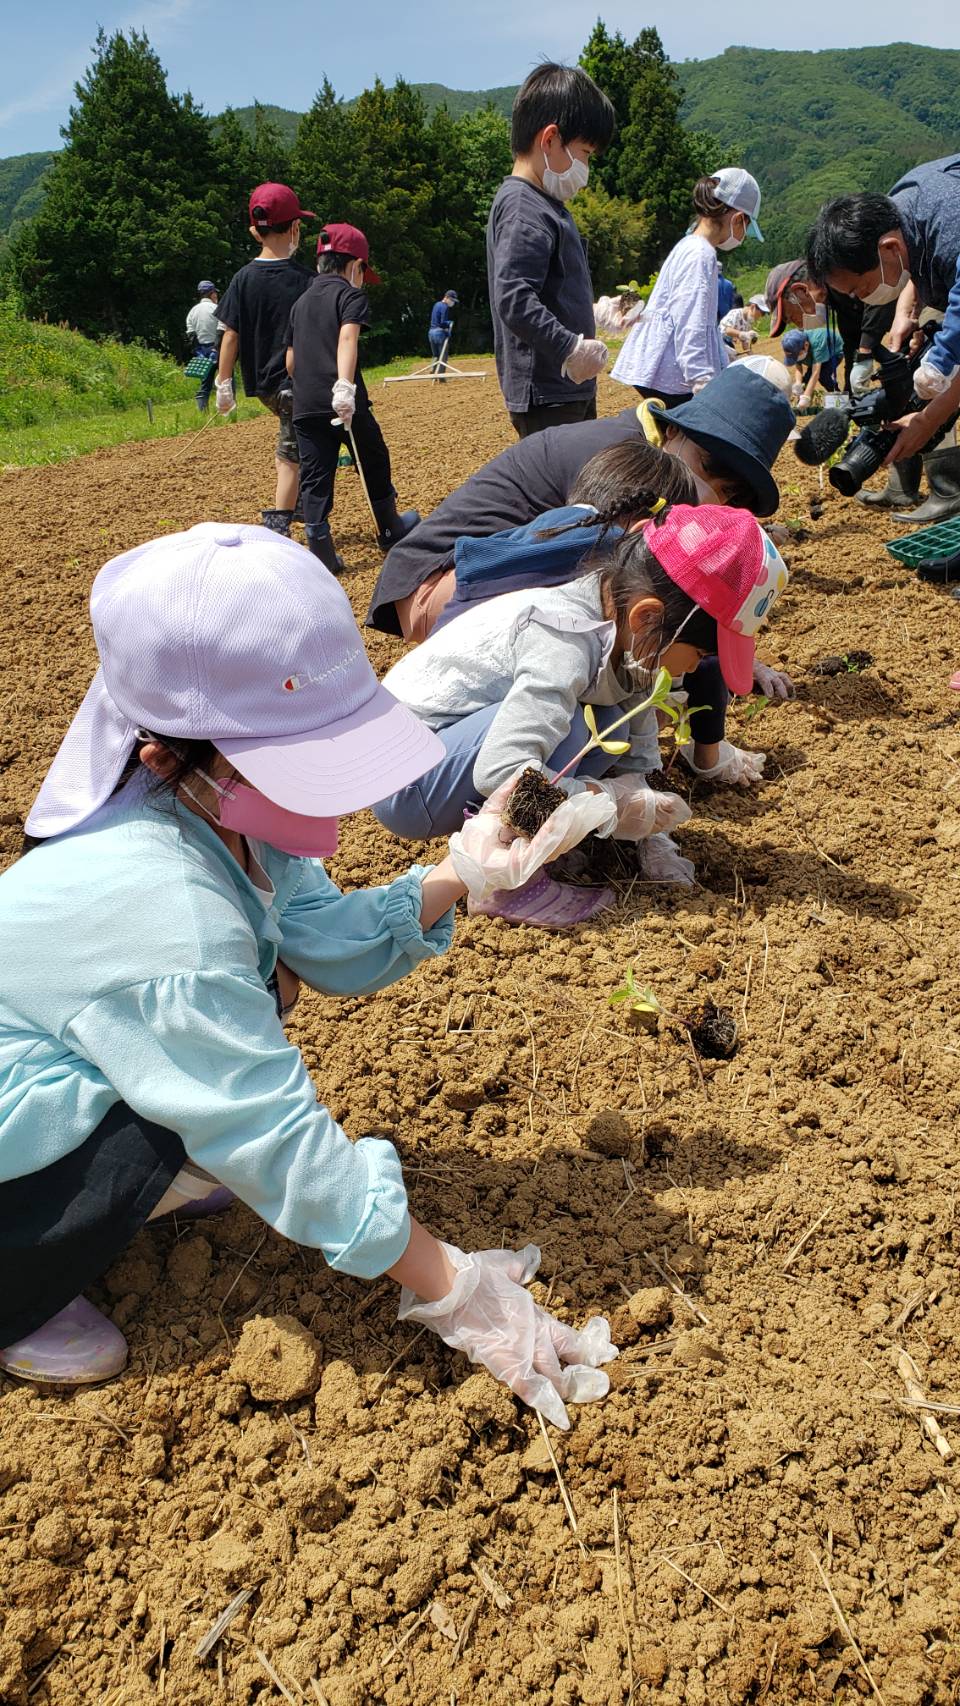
column 739, row 327
column 677, row 347
column 154, row 938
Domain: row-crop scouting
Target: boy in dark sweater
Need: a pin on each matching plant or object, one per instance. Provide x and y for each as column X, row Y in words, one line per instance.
column 329, row 396
column 255, row 309
column 540, row 290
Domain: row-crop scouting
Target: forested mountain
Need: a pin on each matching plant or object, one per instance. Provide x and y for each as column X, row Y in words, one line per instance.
column 812, row 125
column 808, row 125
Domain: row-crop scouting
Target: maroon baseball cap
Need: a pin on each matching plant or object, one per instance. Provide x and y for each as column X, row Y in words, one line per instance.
column 275, row 204
column 779, row 280
column 347, row 240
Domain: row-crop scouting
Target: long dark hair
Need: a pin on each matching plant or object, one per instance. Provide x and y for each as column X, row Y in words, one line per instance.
column 706, row 203
column 624, row 484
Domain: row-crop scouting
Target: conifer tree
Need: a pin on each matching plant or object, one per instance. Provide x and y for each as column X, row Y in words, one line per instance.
column 131, row 217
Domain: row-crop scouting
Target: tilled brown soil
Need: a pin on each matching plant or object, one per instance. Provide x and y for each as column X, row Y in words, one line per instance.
column 397, row 1519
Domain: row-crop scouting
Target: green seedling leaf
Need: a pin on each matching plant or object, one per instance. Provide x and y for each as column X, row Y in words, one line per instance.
column 613, row 748
column 643, row 1006
column 756, row 707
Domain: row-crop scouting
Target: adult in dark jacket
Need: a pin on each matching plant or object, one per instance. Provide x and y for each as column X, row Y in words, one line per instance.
column 749, row 424
column 904, row 248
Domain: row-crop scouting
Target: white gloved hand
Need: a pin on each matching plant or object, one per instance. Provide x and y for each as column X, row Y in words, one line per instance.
column 642, row 811
column 226, row 398
column 861, row 373
column 489, row 1316
column 663, row 862
column 796, row 391
column 775, row 683
column 733, row 765
column 344, row 401
column 928, row 381
column 488, row 856
column 588, row 357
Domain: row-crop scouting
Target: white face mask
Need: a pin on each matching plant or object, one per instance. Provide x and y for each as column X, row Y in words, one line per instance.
column 732, row 242
column 563, row 186
column 812, row 321
column 884, row 292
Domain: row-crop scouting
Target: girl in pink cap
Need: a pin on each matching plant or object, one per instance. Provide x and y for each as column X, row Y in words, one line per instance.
column 171, row 898
column 506, row 683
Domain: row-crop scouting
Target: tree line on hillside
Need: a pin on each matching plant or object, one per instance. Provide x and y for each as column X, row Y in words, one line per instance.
column 148, row 194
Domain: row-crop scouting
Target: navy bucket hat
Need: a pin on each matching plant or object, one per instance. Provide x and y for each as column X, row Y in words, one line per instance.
column 742, row 420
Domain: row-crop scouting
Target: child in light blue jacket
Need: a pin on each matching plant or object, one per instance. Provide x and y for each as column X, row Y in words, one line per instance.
column 154, row 935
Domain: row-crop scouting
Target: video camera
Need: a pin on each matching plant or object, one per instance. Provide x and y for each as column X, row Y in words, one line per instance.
column 893, row 398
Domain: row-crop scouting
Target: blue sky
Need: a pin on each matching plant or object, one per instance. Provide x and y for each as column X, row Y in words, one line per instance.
column 208, row 47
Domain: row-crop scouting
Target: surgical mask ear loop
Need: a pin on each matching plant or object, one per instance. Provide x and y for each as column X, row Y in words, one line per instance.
column 644, row 675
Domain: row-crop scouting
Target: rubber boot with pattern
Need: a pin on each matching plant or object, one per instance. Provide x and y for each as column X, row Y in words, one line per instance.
column 278, row 520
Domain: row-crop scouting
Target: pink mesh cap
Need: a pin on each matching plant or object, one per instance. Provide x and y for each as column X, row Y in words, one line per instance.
column 238, row 636
column 725, row 562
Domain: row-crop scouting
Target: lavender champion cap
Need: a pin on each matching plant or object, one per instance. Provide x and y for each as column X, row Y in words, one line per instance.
column 238, row 636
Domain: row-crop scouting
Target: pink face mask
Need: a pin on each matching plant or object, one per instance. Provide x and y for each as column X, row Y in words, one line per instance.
column 247, row 812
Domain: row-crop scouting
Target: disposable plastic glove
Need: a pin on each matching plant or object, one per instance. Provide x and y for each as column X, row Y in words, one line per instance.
column 588, row 357
column 226, row 399
column 663, row 862
column 929, row 382
column 733, row 765
column 642, row 811
column 489, row 1316
column 488, row 856
column 861, row 373
column 344, row 401
column 775, row 683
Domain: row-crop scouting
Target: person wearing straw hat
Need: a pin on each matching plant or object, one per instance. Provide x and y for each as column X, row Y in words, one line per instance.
column 330, row 399
column 677, row 348
column 154, row 939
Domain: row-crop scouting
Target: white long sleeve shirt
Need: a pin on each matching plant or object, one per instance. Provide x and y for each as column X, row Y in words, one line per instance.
column 677, row 344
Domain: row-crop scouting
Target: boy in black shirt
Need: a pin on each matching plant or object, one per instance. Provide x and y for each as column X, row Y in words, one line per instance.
column 329, row 395
column 255, row 309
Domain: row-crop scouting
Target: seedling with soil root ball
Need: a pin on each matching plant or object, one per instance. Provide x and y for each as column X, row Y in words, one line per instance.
column 533, row 799
column 710, row 1030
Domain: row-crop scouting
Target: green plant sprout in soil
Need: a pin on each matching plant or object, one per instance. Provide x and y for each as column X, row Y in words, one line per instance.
column 712, row 1030
column 849, row 663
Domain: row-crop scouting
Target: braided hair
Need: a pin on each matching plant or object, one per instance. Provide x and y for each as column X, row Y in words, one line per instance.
column 626, row 483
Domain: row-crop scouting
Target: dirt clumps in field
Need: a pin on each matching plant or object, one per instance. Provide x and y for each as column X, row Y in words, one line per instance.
column 777, row 1223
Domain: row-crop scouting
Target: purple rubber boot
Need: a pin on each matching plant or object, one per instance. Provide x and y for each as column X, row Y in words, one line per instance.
column 201, row 1207
column 543, row 903
column 78, row 1347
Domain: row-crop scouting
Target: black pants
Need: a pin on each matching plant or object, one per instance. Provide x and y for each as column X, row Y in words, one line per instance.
column 705, row 686
column 60, row 1228
column 669, row 399
column 553, row 414
column 320, row 441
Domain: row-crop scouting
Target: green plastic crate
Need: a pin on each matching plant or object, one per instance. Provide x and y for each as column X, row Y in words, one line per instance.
column 940, row 540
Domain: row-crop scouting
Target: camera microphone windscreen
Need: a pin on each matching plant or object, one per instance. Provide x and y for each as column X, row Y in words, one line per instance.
column 822, row 436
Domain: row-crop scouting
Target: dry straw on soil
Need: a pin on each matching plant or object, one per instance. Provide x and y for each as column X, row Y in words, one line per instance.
column 758, row 1512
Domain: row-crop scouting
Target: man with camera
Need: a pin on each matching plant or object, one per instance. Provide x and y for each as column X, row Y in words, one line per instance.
column 905, row 248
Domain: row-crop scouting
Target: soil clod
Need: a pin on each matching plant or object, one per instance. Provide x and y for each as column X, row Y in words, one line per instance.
column 531, row 803
column 849, row 663
column 713, row 1031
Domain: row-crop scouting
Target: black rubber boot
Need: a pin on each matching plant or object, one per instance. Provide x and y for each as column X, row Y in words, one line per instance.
column 278, row 520
column 942, row 468
column 320, row 542
column 391, row 524
column 902, row 487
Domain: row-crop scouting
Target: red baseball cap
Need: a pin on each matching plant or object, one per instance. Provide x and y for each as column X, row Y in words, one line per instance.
column 779, row 280
column 725, row 562
column 275, row 204
column 347, row 240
